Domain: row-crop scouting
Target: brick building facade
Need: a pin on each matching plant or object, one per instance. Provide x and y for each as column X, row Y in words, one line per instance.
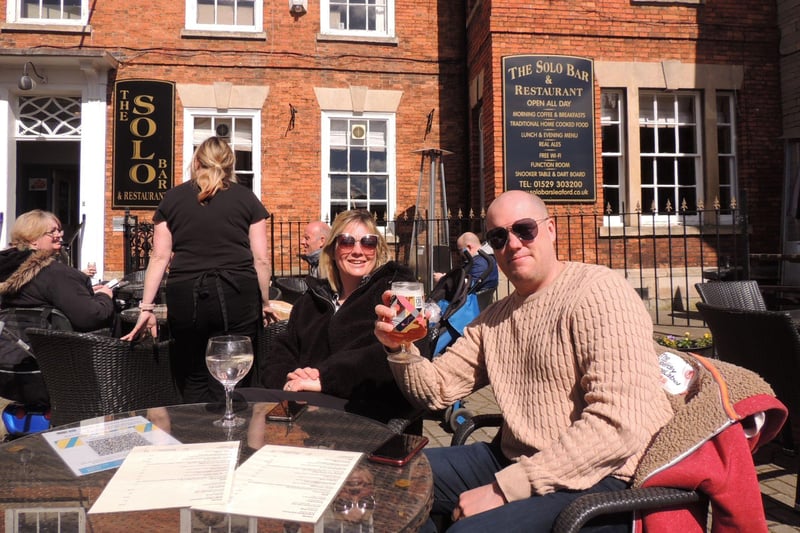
column 325, row 108
column 687, row 104
column 328, row 104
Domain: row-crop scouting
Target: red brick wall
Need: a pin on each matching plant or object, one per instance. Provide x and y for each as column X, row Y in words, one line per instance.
column 426, row 64
column 715, row 32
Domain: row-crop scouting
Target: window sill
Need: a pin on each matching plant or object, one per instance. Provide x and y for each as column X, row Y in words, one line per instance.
column 77, row 29
column 357, row 39
column 671, row 2
column 605, row 232
column 209, row 34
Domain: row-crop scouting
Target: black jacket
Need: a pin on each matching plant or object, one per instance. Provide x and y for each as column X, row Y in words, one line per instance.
column 342, row 345
column 36, row 279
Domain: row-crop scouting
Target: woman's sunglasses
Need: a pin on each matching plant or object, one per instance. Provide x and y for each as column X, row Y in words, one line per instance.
column 525, row 229
column 346, row 242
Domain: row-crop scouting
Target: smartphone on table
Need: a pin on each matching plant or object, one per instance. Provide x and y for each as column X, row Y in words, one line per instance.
column 286, row 411
column 398, row 449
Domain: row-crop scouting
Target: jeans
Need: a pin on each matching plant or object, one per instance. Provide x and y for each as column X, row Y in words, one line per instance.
column 460, row 468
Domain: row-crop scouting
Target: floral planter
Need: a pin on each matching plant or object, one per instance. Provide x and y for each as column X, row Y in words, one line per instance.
column 705, row 351
column 701, row 345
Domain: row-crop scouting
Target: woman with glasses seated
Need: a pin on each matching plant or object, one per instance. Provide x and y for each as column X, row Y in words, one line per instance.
column 329, row 346
column 32, row 275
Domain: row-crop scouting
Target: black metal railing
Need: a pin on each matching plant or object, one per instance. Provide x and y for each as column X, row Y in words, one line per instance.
column 663, row 254
column 137, row 243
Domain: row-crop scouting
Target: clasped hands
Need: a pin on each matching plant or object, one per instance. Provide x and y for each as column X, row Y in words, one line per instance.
column 303, row 379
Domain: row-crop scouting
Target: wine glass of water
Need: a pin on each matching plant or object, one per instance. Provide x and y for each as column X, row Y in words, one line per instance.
column 229, row 358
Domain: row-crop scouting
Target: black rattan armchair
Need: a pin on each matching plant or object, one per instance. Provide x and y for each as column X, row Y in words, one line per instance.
column 766, row 342
column 735, row 294
column 573, row 517
column 91, row 375
column 291, row 288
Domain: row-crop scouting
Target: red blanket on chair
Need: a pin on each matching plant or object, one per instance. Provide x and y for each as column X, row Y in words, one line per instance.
column 708, row 447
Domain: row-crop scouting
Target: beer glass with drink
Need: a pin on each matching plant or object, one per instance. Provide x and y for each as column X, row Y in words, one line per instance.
column 410, row 323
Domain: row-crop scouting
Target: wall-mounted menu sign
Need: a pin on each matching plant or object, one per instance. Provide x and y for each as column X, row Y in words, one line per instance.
column 548, row 126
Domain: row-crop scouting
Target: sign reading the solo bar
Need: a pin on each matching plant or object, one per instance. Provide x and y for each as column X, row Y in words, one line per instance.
column 548, row 126
column 144, row 134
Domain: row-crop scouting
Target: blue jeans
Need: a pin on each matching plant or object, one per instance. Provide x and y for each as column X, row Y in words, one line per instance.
column 460, row 468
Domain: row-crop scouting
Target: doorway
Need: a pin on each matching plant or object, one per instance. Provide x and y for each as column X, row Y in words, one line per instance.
column 48, row 174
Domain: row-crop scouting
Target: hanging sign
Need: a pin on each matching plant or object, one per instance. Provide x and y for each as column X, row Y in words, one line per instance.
column 548, row 126
column 144, row 147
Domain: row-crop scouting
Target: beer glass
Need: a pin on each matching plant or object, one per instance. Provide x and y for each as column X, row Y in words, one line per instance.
column 409, row 322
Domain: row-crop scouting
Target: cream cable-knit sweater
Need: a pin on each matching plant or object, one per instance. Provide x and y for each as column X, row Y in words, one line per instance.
column 575, row 376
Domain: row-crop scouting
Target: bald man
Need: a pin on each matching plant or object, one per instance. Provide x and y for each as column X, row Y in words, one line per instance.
column 315, row 235
column 569, row 356
column 481, row 266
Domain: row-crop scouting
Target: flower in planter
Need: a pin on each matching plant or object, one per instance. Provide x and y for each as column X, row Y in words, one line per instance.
column 687, row 342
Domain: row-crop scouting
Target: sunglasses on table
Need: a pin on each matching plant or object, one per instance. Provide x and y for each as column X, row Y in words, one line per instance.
column 525, row 229
column 345, row 241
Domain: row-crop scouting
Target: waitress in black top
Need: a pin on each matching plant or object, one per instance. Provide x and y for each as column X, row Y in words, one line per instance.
column 212, row 233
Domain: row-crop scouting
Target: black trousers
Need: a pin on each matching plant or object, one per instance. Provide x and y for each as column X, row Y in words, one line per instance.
column 216, row 303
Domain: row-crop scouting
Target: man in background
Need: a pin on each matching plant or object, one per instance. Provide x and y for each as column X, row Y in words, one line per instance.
column 481, row 266
column 315, row 235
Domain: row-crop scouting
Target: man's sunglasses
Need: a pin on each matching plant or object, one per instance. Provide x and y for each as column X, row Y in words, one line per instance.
column 345, row 241
column 525, row 229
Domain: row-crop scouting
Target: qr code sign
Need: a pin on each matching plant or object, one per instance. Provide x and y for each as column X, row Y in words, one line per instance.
column 117, row 444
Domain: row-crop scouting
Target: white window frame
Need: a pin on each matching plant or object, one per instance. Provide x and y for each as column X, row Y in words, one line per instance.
column 391, row 158
column 192, row 24
column 325, row 22
column 620, row 123
column 188, row 138
column 14, row 14
column 669, row 120
column 727, row 180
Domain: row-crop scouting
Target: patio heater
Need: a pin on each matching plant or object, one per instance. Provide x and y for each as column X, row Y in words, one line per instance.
column 430, row 236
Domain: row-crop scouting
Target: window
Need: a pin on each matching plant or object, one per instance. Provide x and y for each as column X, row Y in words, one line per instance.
column 49, row 117
column 671, row 163
column 224, row 15
column 726, row 151
column 49, row 11
column 239, row 129
column 612, row 122
column 357, row 17
column 358, row 164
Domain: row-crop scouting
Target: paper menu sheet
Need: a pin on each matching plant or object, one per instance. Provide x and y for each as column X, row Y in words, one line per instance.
column 162, row 477
column 288, row 483
column 102, row 446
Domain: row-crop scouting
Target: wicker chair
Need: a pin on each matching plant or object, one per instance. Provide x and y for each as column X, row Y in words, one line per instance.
column 584, row 508
column 768, row 343
column 135, row 277
column 90, row 375
column 573, row 517
column 291, row 288
column 266, row 339
column 735, row 294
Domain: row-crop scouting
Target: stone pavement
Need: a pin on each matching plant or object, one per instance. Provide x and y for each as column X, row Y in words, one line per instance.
column 776, row 467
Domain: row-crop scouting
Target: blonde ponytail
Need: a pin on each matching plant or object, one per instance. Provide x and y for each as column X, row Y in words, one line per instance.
column 212, row 168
